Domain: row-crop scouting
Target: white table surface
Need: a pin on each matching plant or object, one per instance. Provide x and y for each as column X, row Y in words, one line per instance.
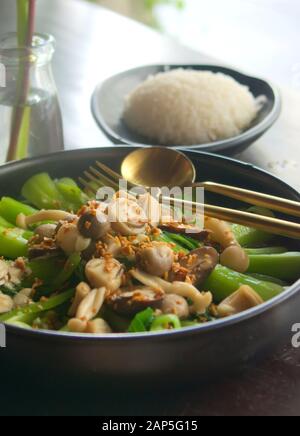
column 93, row 46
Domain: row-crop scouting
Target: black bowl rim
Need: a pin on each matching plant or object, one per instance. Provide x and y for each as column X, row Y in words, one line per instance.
column 223, row 145
column 208, row 327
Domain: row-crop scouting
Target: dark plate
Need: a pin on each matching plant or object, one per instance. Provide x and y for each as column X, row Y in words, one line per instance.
column 108, row 105
column 207, row 350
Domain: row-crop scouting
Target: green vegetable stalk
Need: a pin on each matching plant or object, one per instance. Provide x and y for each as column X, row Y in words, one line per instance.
column 249, row 237
column 223, row 282
column 265, row 278
column 13, row 244
column 5, row 224
column 266, row 250
column 177, row 248
column 28, row 313
column 10, row 209
column 41, row 191
column 62, row 277
column 72, row 193
column 165, row 322
column 185, row 242
column 284, row 266
column 45, row 193
column 44, row 270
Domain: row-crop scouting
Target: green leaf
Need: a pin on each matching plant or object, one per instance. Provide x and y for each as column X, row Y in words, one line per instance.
column 142, row 321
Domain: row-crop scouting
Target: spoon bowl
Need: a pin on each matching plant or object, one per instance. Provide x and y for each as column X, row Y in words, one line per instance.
column 158, row 167
column 161, row 166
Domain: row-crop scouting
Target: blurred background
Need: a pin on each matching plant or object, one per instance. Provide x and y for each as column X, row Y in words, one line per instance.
column 259, row 36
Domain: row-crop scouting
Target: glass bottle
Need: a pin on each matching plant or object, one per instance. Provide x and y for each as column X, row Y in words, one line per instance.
column 30, row 116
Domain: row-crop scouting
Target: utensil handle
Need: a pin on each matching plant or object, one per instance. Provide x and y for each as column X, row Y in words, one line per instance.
column 267, row 224
column 256, row 198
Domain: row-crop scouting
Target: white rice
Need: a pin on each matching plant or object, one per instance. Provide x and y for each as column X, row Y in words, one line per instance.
column 185, row 107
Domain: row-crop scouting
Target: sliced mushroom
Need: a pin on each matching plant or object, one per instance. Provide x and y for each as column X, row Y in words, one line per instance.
column 44, row 215
column 156, row 258
column 243, row 299
column 69, row 239
column 93, row 224
column 175, row 305
column 43, row 250
column 6, row 303
column 127, row 217
column 201, row 301
column 113, row 245
column 196, row 266
column 132, row 302
column 107, row 272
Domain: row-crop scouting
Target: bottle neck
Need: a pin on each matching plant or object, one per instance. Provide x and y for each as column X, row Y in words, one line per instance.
column 39, row 54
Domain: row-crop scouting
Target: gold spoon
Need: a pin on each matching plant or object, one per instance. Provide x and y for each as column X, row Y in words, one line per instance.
column 162, row 166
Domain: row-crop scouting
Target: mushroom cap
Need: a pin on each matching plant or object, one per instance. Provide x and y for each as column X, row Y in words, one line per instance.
column 196, row 266
column 156, row 258
column 104, row 272
column 69, row 239
column 93, row 225
column 236, row 258
column 175, row 305
column 132, row 302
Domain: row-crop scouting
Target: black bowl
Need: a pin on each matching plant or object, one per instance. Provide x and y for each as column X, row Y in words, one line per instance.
column 108, row 105
column 207, row 350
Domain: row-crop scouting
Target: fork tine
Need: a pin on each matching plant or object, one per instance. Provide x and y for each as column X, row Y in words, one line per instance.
column 89, row 189
column 103, row 179
column 113, row 174
column 99, row 182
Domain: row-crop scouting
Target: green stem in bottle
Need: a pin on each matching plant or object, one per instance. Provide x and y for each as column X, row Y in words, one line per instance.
column 20, row 127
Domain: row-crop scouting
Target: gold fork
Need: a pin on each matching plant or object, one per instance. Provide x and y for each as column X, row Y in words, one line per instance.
column 105, row 176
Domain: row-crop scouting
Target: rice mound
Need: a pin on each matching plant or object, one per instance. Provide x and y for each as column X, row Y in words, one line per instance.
column 185, row 107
